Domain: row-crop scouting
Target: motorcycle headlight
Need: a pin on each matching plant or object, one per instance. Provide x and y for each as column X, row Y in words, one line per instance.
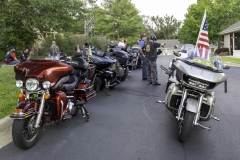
column 46, row 84
column 134, row 54
column 32, row 84
column 19, row 83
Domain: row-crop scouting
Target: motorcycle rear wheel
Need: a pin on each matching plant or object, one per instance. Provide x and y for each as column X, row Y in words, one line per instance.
column 134, row 67
column 24, row 133
column 186, row 126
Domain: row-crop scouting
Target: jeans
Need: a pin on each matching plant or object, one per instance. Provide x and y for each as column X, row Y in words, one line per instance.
column 15, row 62
column 144, row 69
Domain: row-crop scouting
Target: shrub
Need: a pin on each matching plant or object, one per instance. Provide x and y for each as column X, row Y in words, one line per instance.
column 222, row 51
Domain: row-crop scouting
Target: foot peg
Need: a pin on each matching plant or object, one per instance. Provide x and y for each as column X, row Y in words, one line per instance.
column 162, row 102
column 203, row 126
column 215, row 118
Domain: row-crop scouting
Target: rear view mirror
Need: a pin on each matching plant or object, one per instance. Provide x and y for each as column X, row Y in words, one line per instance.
column 178, row 54
column 225, row 66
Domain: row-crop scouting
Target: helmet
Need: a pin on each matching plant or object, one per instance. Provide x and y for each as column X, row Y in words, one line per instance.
column 153, row 37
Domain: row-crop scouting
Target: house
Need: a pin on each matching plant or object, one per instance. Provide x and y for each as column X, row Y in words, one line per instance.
column 232, row 38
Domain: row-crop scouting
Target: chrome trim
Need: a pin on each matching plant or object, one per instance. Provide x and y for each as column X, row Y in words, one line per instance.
column 40, row 112
column 199, row 109
column 184, row 95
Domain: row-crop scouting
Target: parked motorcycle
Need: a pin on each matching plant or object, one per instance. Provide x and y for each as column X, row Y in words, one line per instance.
column 189, row 92
column 135, row 59
column 109, row 71
column 50, row 93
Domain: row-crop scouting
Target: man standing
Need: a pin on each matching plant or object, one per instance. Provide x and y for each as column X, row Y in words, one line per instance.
column 10, row 57
column 151, row 56
column 142, row 51
column 54, row 50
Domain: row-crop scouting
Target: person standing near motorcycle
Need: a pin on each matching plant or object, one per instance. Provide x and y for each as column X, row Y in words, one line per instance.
column 10, row 57
column 151, row 58
column 54, row 50
column 121, row 43
column 142, row 51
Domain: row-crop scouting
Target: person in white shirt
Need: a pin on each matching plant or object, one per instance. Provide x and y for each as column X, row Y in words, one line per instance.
column 121, row 43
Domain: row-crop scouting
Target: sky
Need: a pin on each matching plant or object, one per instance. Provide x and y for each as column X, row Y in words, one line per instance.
column 177, row 8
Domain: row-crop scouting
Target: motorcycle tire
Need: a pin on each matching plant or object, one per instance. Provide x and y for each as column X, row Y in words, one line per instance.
column 186, row 126
column 23, row 132
column 76, row 111
column 134, row 67
column 97, row 84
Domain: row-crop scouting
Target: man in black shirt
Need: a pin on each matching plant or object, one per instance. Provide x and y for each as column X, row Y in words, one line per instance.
column 151, row 56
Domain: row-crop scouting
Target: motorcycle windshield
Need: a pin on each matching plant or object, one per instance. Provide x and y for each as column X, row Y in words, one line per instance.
column 194, row 60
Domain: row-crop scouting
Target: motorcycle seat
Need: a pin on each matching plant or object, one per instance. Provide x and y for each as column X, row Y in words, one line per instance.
column 70, row 84
column 80, row 74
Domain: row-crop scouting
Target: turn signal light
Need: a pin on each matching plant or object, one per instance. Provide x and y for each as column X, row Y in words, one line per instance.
column 17, row 111
column 20, row 95
column 46, row 96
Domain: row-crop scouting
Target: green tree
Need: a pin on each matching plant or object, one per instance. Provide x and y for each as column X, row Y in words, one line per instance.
column 166, row 27
column 220, row 15
column 118, row 19
column 22, row 21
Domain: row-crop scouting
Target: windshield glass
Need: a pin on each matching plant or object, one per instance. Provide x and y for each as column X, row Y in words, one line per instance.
column 194, row 60
column 187, row 47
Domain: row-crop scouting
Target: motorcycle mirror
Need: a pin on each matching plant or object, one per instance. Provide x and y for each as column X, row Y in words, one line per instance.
column 226, row 66
column 178, row 54
column 175, row 47
column 225, row 86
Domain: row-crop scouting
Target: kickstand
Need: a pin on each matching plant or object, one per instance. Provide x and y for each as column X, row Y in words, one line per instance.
column 106, row 93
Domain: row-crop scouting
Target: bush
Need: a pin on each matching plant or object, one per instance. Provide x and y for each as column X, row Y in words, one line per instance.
column 222, row 51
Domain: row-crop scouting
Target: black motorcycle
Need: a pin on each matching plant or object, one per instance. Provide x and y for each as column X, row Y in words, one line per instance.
column 136, row 60
column 109, row 71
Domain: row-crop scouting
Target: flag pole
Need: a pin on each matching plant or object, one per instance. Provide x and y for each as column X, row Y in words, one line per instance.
column 204, row 15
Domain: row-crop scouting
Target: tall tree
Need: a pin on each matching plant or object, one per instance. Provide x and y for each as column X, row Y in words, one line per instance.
column 22, row 21
column 117, row 19
column 220, row 15
column 166, row 27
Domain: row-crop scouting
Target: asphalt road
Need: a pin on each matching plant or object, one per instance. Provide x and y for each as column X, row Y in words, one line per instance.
column 130, row 125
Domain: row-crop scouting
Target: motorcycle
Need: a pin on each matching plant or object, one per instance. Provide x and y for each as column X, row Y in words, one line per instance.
column 189, row 92
column 50, row 93
column 135, row 59
column 109, row 71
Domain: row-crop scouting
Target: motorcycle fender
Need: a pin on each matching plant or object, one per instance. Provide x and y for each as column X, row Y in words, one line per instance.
column 192, row 105
column 27, row 108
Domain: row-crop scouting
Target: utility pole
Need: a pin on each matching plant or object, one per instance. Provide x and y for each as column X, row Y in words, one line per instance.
column 88, row 20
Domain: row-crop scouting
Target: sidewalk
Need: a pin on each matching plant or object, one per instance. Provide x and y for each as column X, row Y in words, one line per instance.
column 5, row 131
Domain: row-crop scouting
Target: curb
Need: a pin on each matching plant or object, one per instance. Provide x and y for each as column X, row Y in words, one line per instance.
column 232, row 64
column 5, row 123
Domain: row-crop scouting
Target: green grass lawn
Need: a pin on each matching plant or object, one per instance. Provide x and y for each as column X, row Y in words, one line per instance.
column 8, row 91
column 230, row 59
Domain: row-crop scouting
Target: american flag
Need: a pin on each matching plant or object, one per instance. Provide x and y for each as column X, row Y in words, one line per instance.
column 202, row 45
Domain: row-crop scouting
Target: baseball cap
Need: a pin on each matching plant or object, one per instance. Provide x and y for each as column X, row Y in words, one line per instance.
column 143, row 35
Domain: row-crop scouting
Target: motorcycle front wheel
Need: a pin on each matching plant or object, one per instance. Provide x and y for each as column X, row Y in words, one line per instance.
column 186, row 126
column 24, row 133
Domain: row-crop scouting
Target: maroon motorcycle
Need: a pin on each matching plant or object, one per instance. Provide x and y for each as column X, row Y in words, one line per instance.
column 50, row 92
